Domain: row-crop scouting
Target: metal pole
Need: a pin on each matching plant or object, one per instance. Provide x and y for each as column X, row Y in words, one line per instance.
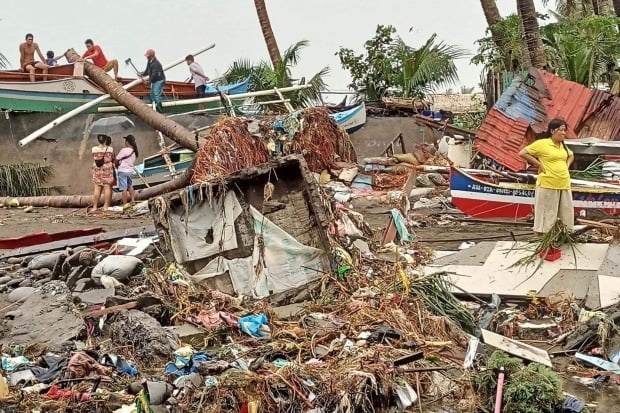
column 34, row 135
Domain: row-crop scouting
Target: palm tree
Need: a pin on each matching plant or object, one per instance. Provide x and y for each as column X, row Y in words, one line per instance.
column 423, row 70
column 264, row 76
column 491, row 13
column 265, row 26
column 4, row 62
column 531, row 33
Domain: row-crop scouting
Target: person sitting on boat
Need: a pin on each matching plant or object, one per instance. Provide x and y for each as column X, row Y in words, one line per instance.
column 553, row 198
column 27, row 62
column 103, row 171
column 126, row 159
column 51, row 60
column 198, row 76
column 94, row 53
column 157, row 79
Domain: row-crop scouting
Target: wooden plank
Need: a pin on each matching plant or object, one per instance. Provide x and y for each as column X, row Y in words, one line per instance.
column 73, row 242
column 516, row 348
column 105, row 311
column 390, row 231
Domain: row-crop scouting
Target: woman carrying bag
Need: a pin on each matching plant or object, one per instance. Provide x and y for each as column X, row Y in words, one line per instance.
column 103, row 171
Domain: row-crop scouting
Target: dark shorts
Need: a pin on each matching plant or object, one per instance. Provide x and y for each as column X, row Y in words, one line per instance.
column 124, row 181
column 200, row 91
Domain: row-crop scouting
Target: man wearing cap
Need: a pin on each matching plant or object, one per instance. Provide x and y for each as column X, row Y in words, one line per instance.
column 157, row 78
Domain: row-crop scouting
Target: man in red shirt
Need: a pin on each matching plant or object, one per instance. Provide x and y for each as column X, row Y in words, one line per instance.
column 94, row 53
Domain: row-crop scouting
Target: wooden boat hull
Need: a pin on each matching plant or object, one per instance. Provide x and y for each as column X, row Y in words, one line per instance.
column 482, row 199
column 44, row 237
column 63, row 93
column 352, row 119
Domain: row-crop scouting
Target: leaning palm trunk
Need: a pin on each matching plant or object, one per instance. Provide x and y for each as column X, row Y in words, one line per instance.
column 270, row 39
column 167, row 126
column 491, row 13
column 531, row 33
column 83, row 201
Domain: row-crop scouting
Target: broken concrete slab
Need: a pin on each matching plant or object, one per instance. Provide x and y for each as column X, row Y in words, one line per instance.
column 609, row 287
column 288, row 311
column 476, row 255
column 576, row 281
column 611, row 264
column 97, row 296
column 190, row 334
column 20, row 294
column 516, row 348
column 34, row 317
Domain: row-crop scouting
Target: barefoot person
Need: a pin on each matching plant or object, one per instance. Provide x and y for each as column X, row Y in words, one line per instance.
column 94, row 53
column 157, row 79
column 27, row 62
column 103, row 171
column 553, row 198
column 126, row 160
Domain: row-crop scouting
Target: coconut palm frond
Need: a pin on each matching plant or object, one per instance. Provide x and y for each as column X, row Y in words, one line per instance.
column 26, row 179
column 4, row 62
column 293, row 52
column 312, row 95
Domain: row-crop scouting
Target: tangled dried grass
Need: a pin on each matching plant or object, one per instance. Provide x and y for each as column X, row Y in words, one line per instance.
column 320, row 138
column 229, row 148
column 27, row 179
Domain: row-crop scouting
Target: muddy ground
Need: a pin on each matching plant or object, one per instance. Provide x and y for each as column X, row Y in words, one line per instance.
column 15, row 222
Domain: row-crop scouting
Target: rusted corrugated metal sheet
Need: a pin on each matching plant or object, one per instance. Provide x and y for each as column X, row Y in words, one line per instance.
column 602, row 117
column 527, row 106
column 501, row 138
column 568, row 100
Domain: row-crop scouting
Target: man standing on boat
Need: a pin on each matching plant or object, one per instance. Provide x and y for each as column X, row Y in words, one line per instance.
column 198, row 76
column 94, row 53
column 27, row 63
column 157, row 79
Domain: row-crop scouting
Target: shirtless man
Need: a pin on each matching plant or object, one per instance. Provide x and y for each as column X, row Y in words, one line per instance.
column 27, row 63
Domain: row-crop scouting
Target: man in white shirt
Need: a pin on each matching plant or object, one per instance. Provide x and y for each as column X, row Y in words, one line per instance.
column 198, row 76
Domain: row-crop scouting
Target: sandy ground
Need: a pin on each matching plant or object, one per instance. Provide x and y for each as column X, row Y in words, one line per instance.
column 15, row 222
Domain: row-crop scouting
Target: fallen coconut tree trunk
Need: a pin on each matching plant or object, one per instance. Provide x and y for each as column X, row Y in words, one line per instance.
column 156, row 120
column 84, row 201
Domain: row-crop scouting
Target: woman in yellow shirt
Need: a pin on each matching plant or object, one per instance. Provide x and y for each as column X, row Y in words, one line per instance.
column 553, row 197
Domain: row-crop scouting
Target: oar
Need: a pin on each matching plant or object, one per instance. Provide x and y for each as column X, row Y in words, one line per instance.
column 34, row 135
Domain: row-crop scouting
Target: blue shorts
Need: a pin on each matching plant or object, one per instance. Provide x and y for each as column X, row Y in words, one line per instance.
column 124, row 181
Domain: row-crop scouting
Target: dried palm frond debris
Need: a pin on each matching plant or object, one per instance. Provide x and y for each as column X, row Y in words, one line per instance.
column 229, row 148
column 27, row 179
column 558, row 236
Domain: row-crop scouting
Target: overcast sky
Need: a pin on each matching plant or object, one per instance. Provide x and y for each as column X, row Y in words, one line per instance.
column 177, row 27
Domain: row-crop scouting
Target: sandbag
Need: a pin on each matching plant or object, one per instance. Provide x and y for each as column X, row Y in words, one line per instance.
column 44, row 261
column 406, row 157
column 119, row 267
column 381, row 160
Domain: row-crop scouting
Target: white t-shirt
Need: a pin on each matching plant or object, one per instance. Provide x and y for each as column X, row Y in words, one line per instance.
column 198, row 80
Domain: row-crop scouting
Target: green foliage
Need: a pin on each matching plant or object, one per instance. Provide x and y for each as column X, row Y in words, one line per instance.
column 390, row 66
column 25, row 179
column 584, row 50
column 530, row 389
column 470, row 120
column 491, row 56
column 264, row 76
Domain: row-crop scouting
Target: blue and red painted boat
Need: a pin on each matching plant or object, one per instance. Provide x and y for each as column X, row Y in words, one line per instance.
column 478, row 194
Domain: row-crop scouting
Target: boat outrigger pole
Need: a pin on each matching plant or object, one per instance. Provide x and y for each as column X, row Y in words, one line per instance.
column 34, row 135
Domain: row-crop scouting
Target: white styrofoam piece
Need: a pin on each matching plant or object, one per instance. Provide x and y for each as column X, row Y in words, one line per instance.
column 609, row 290
column 496, row 276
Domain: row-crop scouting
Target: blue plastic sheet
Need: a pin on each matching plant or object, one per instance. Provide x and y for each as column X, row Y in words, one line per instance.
column 183, row 366
column 401, row 227
column 251, row 324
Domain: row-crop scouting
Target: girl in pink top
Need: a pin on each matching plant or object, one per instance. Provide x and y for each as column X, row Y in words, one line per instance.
column 126, row 160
